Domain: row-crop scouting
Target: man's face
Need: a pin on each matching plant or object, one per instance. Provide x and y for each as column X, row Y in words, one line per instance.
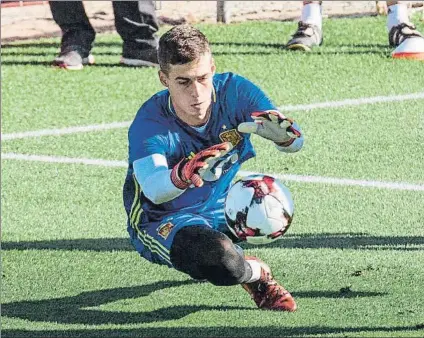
column 190, row 86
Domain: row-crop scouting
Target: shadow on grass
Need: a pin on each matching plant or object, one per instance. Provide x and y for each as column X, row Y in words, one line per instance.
column 39, row 49
column 313, row 54
column 73, row 309
column 342, row 293
column 53, row 44
column 352, row 240
column 49, row 64
column 26, row 63
column 13, row 52
column 363, row 45
column 43, row 45
column 222, row 331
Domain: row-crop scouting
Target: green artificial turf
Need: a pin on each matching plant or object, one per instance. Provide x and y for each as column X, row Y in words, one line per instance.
column 352, row 257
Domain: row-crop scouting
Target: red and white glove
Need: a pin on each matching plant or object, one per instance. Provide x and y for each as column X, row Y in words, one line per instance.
column 272, row 125
column 186, row 172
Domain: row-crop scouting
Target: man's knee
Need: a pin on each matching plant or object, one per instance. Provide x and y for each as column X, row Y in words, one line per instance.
column 204, row 253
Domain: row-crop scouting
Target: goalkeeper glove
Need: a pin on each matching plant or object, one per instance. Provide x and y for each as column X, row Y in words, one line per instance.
column 186, row 172
column 273, row 126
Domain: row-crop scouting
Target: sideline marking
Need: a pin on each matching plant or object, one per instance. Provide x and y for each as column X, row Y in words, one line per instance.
column 284, row 177
column 289, row 108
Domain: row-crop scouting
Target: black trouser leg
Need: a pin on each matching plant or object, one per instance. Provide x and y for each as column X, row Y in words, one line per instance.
column 77, row 32
column 136, row 23
column 204, row 253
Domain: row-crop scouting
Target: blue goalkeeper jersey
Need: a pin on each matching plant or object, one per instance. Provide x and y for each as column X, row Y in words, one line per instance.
column 157, row 130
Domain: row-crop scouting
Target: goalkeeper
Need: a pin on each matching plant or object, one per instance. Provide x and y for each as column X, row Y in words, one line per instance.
column 186, row 145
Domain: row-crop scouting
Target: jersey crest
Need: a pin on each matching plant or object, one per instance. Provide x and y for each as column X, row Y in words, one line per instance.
column 165, row 229
column 231, row 136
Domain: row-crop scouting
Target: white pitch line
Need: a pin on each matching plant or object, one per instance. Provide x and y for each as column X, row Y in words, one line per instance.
column 343, row 181
column 61, row 159
column 284, row 177
column 64, row 131
column 289, row 108
column 353, row 102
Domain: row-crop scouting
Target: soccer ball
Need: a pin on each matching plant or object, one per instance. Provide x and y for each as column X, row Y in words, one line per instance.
column 259, row 209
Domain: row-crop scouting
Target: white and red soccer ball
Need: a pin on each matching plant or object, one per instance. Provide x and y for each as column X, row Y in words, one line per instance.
column 259, row 209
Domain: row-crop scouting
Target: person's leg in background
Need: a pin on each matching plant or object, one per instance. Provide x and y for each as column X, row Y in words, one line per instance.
column 137, row 25
column 309, row 32
column 77, row 34
column 403, row 35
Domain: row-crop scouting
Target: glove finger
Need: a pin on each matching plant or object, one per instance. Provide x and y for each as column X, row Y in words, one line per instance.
column 291, row 128
column 275, row 116
column 217, row 150
column 205, row 154
column 295, row 134
column 270, row 115
column 247, row 127
column 196, row 180
column 213, row 152
column 199, row 165
column 214, row 159
column 259, row 119
column 285, row 124
column 294, row 130
column 225, row 152
column 225, row 146
column 270, row 126
column 272, row 131
column 260, row 114
column 268, row 118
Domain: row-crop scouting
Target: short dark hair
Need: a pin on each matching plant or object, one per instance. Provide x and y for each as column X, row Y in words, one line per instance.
column 180, row 45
